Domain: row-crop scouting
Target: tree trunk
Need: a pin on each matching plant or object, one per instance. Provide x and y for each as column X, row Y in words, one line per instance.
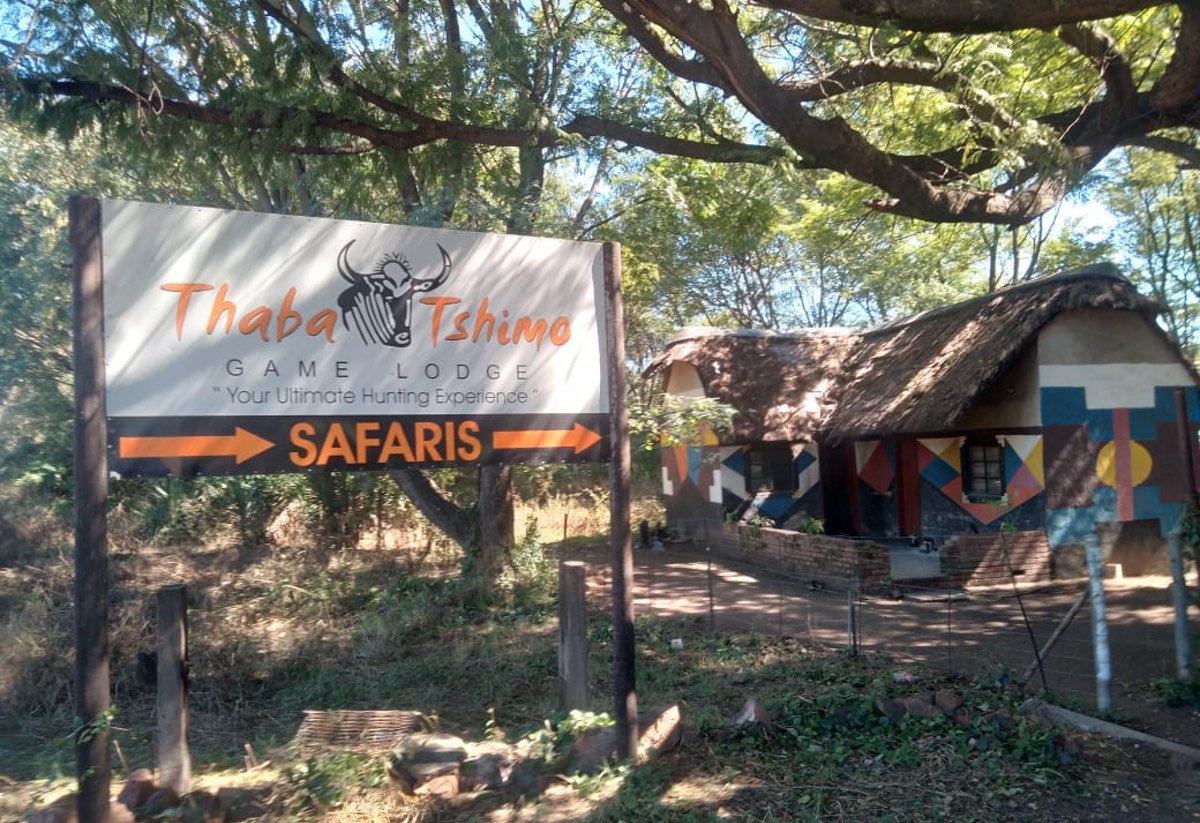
column 485, row 534
column 432, row 502
column 494, row 524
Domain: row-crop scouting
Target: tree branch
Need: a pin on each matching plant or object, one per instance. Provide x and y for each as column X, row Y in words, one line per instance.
column 1189, row 153
column 1100, row 48
column 961, row 16
column 723, row 151
column 443, row 513
column 1179, row 85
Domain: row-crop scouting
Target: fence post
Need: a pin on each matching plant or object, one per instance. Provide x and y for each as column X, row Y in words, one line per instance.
column 851, row 624
column 174, row 759
column 572, row 636
column 1099, row 624
column 1179, row 596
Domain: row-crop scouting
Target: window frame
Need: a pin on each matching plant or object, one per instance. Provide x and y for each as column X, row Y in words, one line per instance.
column 977, row 451
column 777, row 462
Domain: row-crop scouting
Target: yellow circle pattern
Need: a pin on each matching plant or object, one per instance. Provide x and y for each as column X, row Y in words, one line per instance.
column 1139, row 463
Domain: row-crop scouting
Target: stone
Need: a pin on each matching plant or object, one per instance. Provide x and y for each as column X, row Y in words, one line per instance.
column 488, row 766
column 893, row 710
column 423, row 757
column 158, row 803
column 441, row 785
column 948, row 700
column 238, row 804
column 658, row 731
column 62, row 810
column 137, row 789
column 916, row 705
column 752, row 714
column 200, row 807
column 921, row 705
column 592, row 750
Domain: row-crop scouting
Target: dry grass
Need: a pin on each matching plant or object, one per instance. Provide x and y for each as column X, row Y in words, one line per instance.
column 275, row 632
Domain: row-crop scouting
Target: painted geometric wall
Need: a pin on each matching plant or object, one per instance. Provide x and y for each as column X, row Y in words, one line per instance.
column 875, row 463
column 939, row 460
column 718, row 475
column 1112, row 464
column 939, row 463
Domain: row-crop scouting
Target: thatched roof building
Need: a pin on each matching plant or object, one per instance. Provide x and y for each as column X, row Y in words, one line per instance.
column 913, row 376
column 781, row 383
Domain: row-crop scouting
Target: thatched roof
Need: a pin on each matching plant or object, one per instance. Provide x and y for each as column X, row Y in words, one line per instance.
column 779, row 382
column 914, row 376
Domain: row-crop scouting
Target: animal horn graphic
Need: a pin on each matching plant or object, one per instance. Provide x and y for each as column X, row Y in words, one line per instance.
column 345, row 269
column 378, row 304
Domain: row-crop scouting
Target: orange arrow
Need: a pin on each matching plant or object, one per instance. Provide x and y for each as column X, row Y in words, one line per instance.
column 241, row 445
column 577, row 438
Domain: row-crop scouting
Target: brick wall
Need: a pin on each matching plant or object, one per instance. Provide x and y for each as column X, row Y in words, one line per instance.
column 979, row 559
column 835, row 562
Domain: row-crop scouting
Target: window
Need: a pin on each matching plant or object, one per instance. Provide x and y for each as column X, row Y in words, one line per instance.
column 770, row 469
column 983, row 469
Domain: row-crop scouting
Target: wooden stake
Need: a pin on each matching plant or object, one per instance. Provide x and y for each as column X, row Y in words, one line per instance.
column 572, row 636
column 624, row 694
column 174, row 757
column 92, row 698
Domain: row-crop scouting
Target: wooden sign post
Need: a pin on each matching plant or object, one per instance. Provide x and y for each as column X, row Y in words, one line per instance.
column 625, row 710
column 332, row 366
column 91, row 520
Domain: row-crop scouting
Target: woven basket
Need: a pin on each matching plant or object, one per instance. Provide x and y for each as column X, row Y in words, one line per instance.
column 365, row 731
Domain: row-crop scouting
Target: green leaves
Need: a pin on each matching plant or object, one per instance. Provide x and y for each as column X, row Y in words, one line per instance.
column 675, row 420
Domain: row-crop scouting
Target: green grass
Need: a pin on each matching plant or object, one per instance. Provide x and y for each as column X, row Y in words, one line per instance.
column 361, row 630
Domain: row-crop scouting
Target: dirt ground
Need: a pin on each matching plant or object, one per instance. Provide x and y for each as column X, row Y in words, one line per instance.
column 988, row 634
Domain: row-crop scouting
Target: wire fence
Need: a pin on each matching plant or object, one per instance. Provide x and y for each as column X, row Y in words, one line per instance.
column 1034, row 635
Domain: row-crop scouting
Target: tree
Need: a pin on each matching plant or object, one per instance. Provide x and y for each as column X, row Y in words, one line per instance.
column 462, row 113
column 949, row 111
column 731, row 246
column 1156, row 224
column 267, row 102
column 955, row 111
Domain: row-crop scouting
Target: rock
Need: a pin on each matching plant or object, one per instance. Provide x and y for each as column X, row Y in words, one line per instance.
column 751, row 714
column 137, row 789
column 488, row 766
column 200, row 807
column 592, row 750
column 441, row 785
column 948, row 700
column 658, row 731
column 423, row 757
column 62, row 810
column 921, row 705
column 917, row 705
column 893, row 710
column 238, row 804
column 159, row 802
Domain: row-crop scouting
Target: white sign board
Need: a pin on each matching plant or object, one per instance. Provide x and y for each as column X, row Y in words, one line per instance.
column 226, row 314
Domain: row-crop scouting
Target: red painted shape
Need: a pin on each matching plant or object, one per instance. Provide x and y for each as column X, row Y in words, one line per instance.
column 877, row 471
column 1124, row 459
column 925, row 456
column 908, row 487
column 1023, row 478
